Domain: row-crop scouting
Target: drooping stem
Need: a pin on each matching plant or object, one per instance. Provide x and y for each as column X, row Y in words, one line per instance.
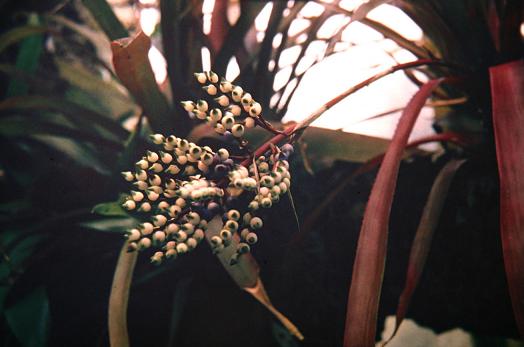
column 118, row 299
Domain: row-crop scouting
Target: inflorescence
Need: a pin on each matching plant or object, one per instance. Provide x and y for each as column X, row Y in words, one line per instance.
column 179, row 186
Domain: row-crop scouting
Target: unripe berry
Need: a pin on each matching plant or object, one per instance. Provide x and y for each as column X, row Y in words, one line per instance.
column 156, row 167
column 146, row 228
column 172, row 228
column 159, row 220
column 155, row 180
column 256, row 223
column 191, row 243
column 181, row 248
column 157, row 258
column 246, row 99
column 202, row 105
column 159, row 236
column 222, row 100
column 243, row 248
column 249, row 122
column 181, row 236
column 253, row 206
column 231, row 225
column 237, row 130
column 129, row 205
column 210, row 89
column 223, row 154
column 141, row 175
column 171, row 253
column 219, row 128
column 189, row 106
column 157, row 139
column 266, row 202
column 212, row 77
column 235, row 110
column 255, row 109
column 144, row 243
column 236, row 93
column 182, row 160
column 128, row 176
column 142, row 164
column 193, row 218
column 226, row 235
column 172, row 169
column 228, row 121
column 133, row 235
column 152, row 156
column 251, row 238
column 233, row 215
column 145, row 207
column 215, row 115
column 225, row 86
column 200, row 77
column 216, row 241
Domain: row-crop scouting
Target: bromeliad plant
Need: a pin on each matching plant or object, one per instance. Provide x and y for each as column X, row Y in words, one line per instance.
column 182, row 185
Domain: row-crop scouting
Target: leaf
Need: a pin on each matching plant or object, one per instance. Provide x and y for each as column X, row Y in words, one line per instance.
column 424, row 236
column 507, row 94
column 105, row 17
column 119, row 297
column 27, row 58
column 362, row 11
column 368, row 268
column 245, row 275
column 113, row 208
column 29, row 319
column 235, row 37
column 19, row 33
column 131, row 63
column 77, row 113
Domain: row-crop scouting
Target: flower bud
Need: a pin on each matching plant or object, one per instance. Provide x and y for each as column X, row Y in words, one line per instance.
column 153, row 196
column 236, row 93
column 231, row 225
column 212, row 77
column 172, row 228
column 155, row 180
column 223, row 154
column 181, row 236
column 142, row 164
column 137, row 196
column 210, row 89
column 215, row 241
column 159, row 220
column 237, row 130
column 222, row 100
column 141, row 185
column 198, row 235
column 182, row 160
column 243, row 248
column 256, row 223
column 132, row 246
column 128, row 176
column 200, row 77
column 189, row 228
column 189, row 106
column 253, row 206
column 266, row 202
column 251, row 238
column 193, row 218
column 144, row 243
column 191, row 243
column 225, row 86
column 215, row 115
column 141, row 175
column 171, row 253
column 157, row 139
column 133, row 235
column 157, row 258
column 255, row 109
column 226, row 235
column 228, row 121
column 152, row 156
column 172, row 169
column 129, row 205
column 181, row 248
column 202, row 105
column 249, row 122
column 145, row 207
column 219, row 128
column 174, row 210
column 156, row 167
column 233, row 215
column 159, row 236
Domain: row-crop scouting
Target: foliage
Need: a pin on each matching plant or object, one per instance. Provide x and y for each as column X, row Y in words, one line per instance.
column 80, row 100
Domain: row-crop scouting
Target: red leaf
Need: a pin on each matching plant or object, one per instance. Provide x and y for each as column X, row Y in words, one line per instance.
column 368, row 269
column 131, row 62
column 424, row 236
column 507, row 93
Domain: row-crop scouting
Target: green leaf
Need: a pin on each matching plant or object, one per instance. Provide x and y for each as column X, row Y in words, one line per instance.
column 131, row 62
column 106, row 18
column 113, row 208
column 29, row 319
column 113, row 225
column 245, row 274
column 17, row 34
column 77, row 113
column 370, row 259
column 27, row 59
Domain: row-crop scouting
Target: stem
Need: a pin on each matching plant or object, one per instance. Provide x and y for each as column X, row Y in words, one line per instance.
column 266, row 146
column 315, row 115
column 118, row 299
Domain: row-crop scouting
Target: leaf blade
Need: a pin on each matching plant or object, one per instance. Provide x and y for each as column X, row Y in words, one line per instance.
column 369, row 264
column 424, row 235
column 507, row 93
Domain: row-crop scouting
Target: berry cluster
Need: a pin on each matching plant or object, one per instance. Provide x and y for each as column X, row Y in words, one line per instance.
column 180, row 186
column 235, row 110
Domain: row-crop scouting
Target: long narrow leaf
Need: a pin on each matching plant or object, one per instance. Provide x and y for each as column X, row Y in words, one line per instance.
column 368, row 268
column 424, row 236
column 245, row 275
column 106, row 18
column 130, row 59
column 507, row 93
column 17, row 34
